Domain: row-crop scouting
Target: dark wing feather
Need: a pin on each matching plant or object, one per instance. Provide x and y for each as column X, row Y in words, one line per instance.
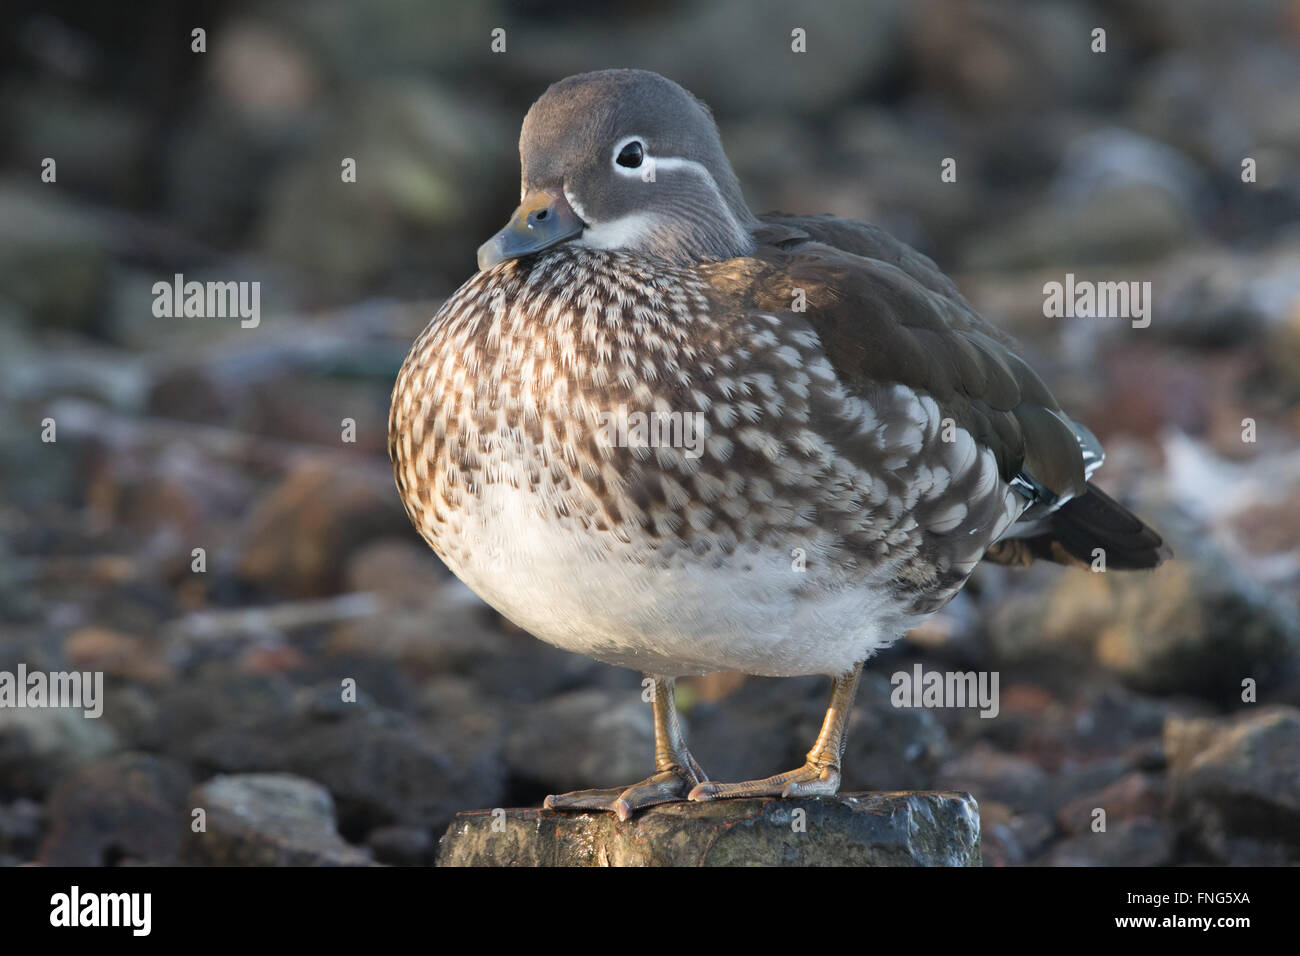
column 885, row 313
column 892, row 315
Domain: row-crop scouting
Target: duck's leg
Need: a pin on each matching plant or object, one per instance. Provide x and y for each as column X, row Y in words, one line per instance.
column 676, row 771
column 820, row 774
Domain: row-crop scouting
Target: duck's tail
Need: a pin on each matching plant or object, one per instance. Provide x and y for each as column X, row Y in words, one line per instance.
column 1085, row 529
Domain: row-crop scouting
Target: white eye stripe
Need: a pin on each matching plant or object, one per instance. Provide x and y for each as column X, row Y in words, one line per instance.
column 670, row 163
column 625, row 231
column 655, row 162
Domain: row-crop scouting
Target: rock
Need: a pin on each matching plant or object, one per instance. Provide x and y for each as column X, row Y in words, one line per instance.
column 381, row 766
column 53, row 258
column 1010, row 838
column 1200, row 624
column 1216, row 298
column 1119, row 224
column 864, row 829
column 1223, row 107
column 268, row 820
column 129, row 807
column 1104, row 721
column 583, row 739
column 1141, row 842
column 20, row 828
column 215, row 699
column 1112, row 156
column 402, row 846
column 854, row 45
column 398, row 568
column 1235, row 785
column 1246, row 508
column 427, row 162
column 309, row 404
column 1133, row 796
column 299, row 537
column 445, row 629
column 39, row 745
column 208, row 205
column 755, row 71
column 99, row 143
column 993, row 775
column 121, row 655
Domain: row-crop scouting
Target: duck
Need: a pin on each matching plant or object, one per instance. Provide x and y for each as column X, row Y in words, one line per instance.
column 671, row 435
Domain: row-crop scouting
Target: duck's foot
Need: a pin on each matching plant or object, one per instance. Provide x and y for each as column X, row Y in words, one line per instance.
column 810, row 780
column 666, row 786
column 820, row 774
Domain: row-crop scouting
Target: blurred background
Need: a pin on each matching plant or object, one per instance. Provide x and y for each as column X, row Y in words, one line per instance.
column 1123, row 692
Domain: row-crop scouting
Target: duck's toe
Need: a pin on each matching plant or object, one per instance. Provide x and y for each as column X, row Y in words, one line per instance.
column 666, row 786
column 810, row 780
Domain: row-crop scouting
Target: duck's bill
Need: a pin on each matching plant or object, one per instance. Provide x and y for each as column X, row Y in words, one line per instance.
column 543, row 219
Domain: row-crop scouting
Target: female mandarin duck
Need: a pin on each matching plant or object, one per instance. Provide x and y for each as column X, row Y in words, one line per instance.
column 863, row 437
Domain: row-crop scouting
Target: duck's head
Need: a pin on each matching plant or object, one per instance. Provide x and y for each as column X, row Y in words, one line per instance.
column 625, row 160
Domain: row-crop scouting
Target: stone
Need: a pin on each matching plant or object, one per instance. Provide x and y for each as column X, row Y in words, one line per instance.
column 20, row 828
column 853, row 43
column 39, row 745
column 864, row 829
column 1197, row 625
column 431, row 625
column 401, row 569
column 129, row 656
column 587, row 738
column 1140, row 842
column 1122, row 223
column 1134, row 795
column 268, row 820
column 427, row 160
column 1009, row 838
column 994, row 775
column 1218, row 298
column 215, row 699
column 299, row 537
column 1235, row 785
column 381, row 766
column 53, row 260
column 128, row 807
column 402, row 846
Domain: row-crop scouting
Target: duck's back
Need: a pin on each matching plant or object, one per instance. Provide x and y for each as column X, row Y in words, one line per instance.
column 892, row 315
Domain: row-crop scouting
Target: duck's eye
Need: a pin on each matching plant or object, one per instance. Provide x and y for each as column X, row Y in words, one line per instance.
column 631, row 155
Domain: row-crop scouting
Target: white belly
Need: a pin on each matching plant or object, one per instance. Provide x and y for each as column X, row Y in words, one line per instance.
column 752, row 612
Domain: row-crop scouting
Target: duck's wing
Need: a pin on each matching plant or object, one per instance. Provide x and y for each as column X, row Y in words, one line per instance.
column 910, row 352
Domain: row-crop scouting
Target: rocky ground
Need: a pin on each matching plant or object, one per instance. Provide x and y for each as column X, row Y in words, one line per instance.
column 1169, row 700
